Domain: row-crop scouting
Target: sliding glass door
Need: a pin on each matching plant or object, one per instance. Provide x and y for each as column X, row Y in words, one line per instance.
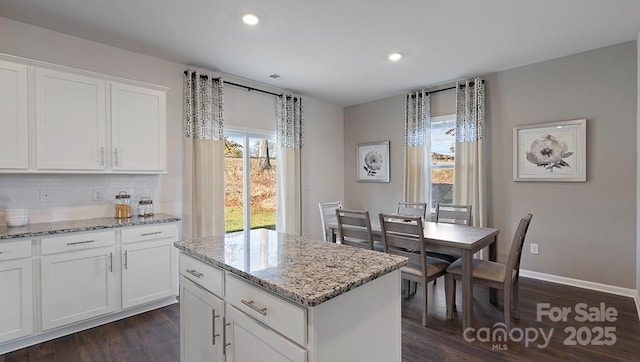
column 250, row 181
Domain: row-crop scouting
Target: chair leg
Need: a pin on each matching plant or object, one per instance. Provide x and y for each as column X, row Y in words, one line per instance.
column 449, row 288
column 516, row 310
column 425, row 303
column 407, row 286
column 507, row 307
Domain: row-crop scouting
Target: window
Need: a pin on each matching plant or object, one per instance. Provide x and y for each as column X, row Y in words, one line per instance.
column 250, row 181
column 443, row 146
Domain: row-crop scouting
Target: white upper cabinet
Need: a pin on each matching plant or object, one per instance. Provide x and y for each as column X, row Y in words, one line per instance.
column 70, row 121
column 14, row 138
column 62, row 120
column 138, row 128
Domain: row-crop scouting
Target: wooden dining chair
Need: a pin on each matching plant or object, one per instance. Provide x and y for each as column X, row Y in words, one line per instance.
column 328, row 215
column 412, row 209
column 354, row 228
column 451, row 214
column 494, row 275
column 402, row 236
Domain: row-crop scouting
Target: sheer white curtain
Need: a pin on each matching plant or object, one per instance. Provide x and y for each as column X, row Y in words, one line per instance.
column 289, row 140
column 204, row 156
column 470, row 180
column 417, row 146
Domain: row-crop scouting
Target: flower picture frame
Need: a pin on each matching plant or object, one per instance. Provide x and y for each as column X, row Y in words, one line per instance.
column 373, row 162
column 555, row 151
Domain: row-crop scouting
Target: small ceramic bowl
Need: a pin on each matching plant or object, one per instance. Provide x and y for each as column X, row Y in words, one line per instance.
column 17, row 217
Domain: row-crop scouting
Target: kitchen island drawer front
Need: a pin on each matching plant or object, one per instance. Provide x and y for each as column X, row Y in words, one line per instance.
column 208, row 277
column 10, row 250
column 283, row 316
column 157, row 231
column 77, row 241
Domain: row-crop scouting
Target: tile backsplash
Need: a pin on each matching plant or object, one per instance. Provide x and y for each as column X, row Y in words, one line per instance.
column 64, row 197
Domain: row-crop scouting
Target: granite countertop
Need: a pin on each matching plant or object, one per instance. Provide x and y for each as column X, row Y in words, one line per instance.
column 61, row 227
column 308, row 272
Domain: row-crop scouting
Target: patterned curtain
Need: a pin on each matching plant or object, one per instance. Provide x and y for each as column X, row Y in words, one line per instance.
column 417, row 145
column 289, row 140
column 204, row 156
column 470, row 166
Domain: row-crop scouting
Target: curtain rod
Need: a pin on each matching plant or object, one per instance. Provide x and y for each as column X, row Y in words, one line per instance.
column 450, row 88
column 241, row 86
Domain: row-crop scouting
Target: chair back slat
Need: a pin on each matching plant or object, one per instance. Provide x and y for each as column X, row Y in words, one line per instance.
column 412, row 209
column 328, row 215
column 355, row 228
column 513, row 262
column 453, row 214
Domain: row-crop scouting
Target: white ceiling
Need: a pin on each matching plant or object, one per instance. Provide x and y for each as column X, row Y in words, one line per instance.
column 335, row 50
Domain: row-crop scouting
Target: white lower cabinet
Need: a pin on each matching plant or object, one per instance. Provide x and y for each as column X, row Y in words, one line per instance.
column 255, row 325
column 16, row 288
column 148, row 272
column 250, row 340
column 201, row 324
column 76, row 286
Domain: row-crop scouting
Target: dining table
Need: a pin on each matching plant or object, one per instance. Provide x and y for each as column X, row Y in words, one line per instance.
column 454, row 239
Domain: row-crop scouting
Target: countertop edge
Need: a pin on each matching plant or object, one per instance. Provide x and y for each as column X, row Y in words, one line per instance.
column 5, row 231
column 284, row 293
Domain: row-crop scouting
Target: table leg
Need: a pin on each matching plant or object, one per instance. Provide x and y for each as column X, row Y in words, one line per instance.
column 493, row 256
column 333, row 235
column 467, row 290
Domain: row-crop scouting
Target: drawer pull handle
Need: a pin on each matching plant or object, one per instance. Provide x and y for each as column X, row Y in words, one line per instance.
column 102, row 156
column 213, row 326
column 81, row 242
column 111, row 262
column 116, row 158
column 126, row 260
column 195, row 273
column 153, row 233
column 250, row 304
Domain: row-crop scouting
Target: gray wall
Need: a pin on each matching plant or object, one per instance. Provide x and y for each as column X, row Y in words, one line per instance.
column 586, row 230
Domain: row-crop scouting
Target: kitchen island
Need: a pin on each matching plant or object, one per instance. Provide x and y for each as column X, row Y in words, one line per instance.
column 268, row 296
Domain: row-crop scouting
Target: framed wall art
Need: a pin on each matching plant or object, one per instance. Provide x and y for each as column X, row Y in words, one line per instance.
column 373, row 161
column 554, row 151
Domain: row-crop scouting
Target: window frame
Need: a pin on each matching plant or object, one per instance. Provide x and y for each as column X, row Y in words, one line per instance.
column 432, row 166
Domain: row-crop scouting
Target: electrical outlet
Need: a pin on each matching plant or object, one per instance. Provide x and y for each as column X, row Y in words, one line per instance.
column 533, row 248
column 44, row 196
column 97, row 195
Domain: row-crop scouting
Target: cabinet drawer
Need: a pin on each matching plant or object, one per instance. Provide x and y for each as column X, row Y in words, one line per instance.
column 77, row 241
column 156, row 231
column 283, row 316
column 207, row 276
column 15, row 249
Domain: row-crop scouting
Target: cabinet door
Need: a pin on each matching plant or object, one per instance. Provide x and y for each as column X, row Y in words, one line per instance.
column 138, row 128
column 16, row 303
column 70, row 121
column 201, row 324
column 77, row 286
column 252, row 341
column 14, row 138
column 149, row 272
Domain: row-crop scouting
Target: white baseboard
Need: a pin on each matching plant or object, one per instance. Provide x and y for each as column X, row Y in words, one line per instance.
column 611, row 289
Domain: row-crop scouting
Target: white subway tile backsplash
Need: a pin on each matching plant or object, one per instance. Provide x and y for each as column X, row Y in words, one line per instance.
column 71, row 196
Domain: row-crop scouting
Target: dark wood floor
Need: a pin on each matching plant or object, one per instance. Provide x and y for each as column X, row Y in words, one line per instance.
column 154, row 336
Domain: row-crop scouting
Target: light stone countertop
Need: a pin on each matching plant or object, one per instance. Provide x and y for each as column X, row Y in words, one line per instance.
column 61, row 227
column 308, row 272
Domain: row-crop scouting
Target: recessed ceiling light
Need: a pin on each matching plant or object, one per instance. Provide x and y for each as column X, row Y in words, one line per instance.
column 394, row 57
column 250, row 18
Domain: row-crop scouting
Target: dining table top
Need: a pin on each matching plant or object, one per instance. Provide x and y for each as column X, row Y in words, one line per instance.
column 446, row 234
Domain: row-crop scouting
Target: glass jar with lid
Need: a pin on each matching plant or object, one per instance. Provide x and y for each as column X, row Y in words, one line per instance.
column 145, row 207
column 122, row 207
